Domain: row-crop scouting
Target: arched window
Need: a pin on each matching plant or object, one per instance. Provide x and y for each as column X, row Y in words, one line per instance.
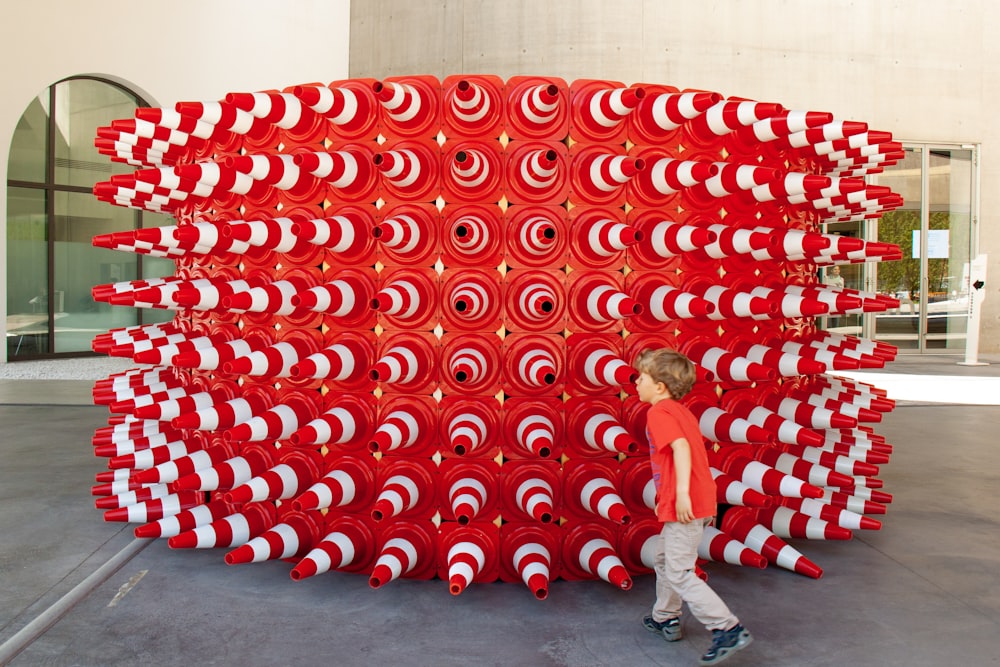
column 52, row 215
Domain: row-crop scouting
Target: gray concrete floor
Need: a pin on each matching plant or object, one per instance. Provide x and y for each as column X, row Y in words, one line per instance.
column 925, row 590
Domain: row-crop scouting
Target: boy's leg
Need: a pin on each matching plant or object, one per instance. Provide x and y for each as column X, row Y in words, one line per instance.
column 668, row 600
column 680, row 543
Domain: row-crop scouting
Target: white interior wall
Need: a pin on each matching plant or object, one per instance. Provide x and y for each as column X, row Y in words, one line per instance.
column 167, row 52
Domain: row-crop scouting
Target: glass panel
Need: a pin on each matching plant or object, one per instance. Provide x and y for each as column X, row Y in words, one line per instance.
column 901, row 326
column 157, row 267
column 850, row 276
column 948, row 248
column 27, row 274
column 79, row 266
column 83, row 105
column 27, row 146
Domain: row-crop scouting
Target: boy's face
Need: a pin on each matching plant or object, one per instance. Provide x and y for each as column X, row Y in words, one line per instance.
column 649, row 390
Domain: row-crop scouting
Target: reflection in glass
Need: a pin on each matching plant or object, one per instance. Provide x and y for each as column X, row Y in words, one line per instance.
column 78, row 266
column 27, row 274
column 83, row 105
column 27, row 146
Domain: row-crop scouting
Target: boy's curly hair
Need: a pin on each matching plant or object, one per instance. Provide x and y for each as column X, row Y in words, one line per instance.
column 669, row 367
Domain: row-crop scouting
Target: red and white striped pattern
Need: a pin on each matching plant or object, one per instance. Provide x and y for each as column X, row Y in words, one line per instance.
column 601, row 431
column 229, row 473
column 285, row 480
column 292, row 537
column 469, row 492
column 273, row 361
column 466, row 557
column 349, row 480
column 276, row 423
column 598, row 557
column 721, row 548
column 399, row 492
column 407, row 548
column 346, row 296
column 400, row 428
column 596, row 493
column 744, row 528
column 767, row 480
column 341, row 424
column 346, row 233
column 348, row 542
column 345, row 361
column 786, row 522
column 229, row 531
column 467, row 430
column 717, row 424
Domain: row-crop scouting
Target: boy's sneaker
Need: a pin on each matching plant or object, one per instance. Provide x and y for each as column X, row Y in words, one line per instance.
column 669, row 629
column 725, row 643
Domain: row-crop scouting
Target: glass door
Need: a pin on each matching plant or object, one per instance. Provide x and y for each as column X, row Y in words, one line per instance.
column 935, row 231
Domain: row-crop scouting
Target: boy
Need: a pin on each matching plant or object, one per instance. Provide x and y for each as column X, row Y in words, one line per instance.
column 685, row 504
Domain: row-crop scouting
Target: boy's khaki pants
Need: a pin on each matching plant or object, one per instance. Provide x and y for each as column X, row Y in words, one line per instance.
column 676, row 581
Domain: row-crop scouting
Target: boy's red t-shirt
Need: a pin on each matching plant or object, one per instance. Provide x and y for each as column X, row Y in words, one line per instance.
column 667, row 421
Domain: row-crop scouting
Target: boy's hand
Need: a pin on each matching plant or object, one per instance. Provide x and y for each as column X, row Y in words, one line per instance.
column 683, row 505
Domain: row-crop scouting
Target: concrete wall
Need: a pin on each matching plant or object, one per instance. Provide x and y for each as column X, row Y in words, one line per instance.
column 166, row 51
column 921, row 69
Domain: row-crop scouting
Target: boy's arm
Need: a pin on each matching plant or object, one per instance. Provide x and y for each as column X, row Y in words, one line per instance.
column 682, row 468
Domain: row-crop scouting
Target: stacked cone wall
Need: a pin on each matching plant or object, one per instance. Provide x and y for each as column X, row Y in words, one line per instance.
column 414, row 305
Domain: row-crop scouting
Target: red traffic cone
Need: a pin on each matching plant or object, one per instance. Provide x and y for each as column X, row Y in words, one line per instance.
column 665, row 176
column 536, row 237
column 790, row 464
column 293, row 536
column 472, row 171
column 530, row 490
column 726, row 116
column 275, row 298
column 348, row 421
column 276, row 423
column 406, row 487
column 537, row 108
column 294, row 473
column 732, row 491
column 470, row 554
column 409, row 105
column 229, row 531
column 153, row 456
column 348, row 234
column 594, row 428
column 765, row 479
column 803, row 413
column 740, row 523
column 589, row 488
column 529, row 553
column 157, row 508
column 407, row 362
column 730, row 303
column 725, row 365
column 168, row 409
column 409, row 170
column 598, row 237
column 407, row 425
column 468, row 425
column 471, row 300
column 599, row 109
column 661, row 113
column 212, row 358
column 595, row 364
column 587, row 554
column 349, row 485
column 350, row 174
column 535, row 301
column 600, row 174
column 786, row 522
column 349, row 545
column 347, row 299
column 786, row 364
column 532, row 363
column 717, row 546
column 171, row 471
column 406, row 549
column 469, row 489
column 472, row 363
column 534, row 427
column 276, row 360
column 349, row 107
column 662, row 302
column 537, row 173
column 596, row 302
column 719, row 425
column 408, row 298
column 199, row 515
column 783, row 430
column 408, row 235
column 472, row 235
column 835, row 515
column 473, row 106
column 132, row 497
column 252, row 461
column 224, row 415
column 346, row 361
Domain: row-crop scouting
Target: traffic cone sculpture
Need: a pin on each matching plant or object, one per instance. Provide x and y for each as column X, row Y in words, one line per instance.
column 414, row 299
